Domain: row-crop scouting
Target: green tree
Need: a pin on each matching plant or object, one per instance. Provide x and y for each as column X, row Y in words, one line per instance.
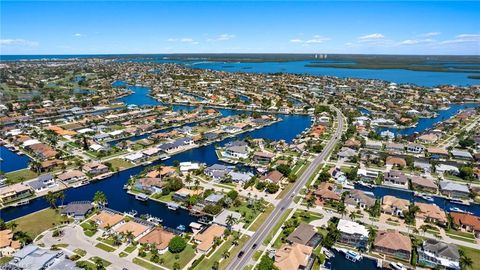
column 100, row 198
column 177, row 244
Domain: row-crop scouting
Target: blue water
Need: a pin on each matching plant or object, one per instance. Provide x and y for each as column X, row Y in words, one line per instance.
column 340, row 263
column 11, row 161
column 428, row 123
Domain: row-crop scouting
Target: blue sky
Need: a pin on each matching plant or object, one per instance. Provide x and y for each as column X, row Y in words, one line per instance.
column 240, row 27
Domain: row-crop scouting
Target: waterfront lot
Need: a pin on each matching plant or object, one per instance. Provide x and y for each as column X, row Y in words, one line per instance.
column 36, row 223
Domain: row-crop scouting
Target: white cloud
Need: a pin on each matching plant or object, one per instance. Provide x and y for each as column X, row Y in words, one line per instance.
column 296, row 40
column 225, row 37
column 77, row 35
column 415, row 41
column 430, row 34
column 372, row 36
column 18, row 42
column 316, row 39
column 463, row 38
column 183, row 40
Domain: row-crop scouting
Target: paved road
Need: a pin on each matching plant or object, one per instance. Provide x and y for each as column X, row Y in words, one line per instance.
column 259, row 236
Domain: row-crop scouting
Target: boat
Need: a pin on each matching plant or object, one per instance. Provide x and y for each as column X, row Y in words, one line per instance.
column 132, row 213
column 458, row 201
column 424, row 196
column 82, row 183
column 364, row 184
column 398, row 266
column 348, row 186
column 456, row 209
column 172, row 206
column 155, row 220
column 22, row 203
column 328, row 253
column 181, row 227
column 125, row 186
column 141, row 197
column 353, row 256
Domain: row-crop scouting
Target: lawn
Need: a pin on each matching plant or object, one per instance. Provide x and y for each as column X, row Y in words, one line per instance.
column 248, row 214
column 163, row 198
column 38, row 222
column 88, row 229
column 120, row 163
column 234, row 252
column 5, row 260
column 216, row 256
column 277, row 226
column 473, row 254
column 20, row 176
column 460, row 234
column 88, row 265
column 261, row 219
column 145, row 264
column 105, row 247
column 130, row 248
column 105, row 262
column 184, row 257
column 80, row 252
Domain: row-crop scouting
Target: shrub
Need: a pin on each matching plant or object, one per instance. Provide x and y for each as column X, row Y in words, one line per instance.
column 177, row 244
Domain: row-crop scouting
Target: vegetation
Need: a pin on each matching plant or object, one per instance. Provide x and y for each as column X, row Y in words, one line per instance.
column 177, row 244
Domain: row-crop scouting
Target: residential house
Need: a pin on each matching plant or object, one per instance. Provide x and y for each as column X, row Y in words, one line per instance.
column 437, row 152
column 217, row 171
column 263, row 157
column 213, row 198
column 72, row 176
column 32, row 257
column 453, row 189
column 467, row 222
column 240, row 176
column 42, row 183
column 293, row 256
column 352, row 233
column 77, row 210
column 397, row 178
column 15, row 192
column 360, row 198
column 136, row 228
column 367, row 175
column 149, row 185
column 415, row 148
column 107, row 219
column 8, row 246
column 239, row 152
column 346, row 153
column 423, row 184
column 393, row 243
column 375, row 145
column 447, row 168
column 461, row 154
column 394, row 206
column 395, row 147
column 206, row 238
column 305, row 234
column 184, row 193
column 159, row 237
column 136, row 157
column 95, row 168
column 433, row 253
column 396, row 161
column 221, row 218
column 431, row 213
column 326, row 192
column 273, row 176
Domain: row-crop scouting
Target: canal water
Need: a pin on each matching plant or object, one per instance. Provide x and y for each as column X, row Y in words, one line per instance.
column 340, row 263
column 11, row 161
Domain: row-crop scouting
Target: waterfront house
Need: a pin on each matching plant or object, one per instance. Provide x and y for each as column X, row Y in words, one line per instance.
column 394, row 206
column 423, row 183
column 239, row 152
column 467, row 222
column 326, row 192
column 393, row 243
column 366, row 175
column 353, row 234
column 437, row 152
column 95, row 168
column 77, row 210
column 395, row 147
column 293, row 256
column 8, row 246
column 240, row 176
column 149, row 185
column 428, row 138
column 107, row 219
column 217, row 171
column 221, row 218
column 431, row 213
column 32, row 257
column 158, row 237
column 396, row 161
column 305, row 234
column 263, row 157
column 42, row 183
column 273, row 177
column 206, row 238
column 360, row 198
column 447, row 168
column 396, row 178
column 461, row 154
column 455, row 190
column 415, row 148
column 188, row 166
column 137, row 229
column 213, row 198
column 375, row 145
column 135, row 157
column 184, row 193
column 433, row 253
column 15, row 192
column 71, row 176
column 422, row 164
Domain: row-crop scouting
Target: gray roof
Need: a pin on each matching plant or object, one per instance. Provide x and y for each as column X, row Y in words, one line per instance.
column 33, row 258
column 214, row 198
column 442, row 249
column 302, row 234
column 45, row 177
column 451, row 186
column 77, row 208
column 238, row 149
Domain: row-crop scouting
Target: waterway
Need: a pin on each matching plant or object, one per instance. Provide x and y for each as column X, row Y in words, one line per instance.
column 340, row 263
column 11, row 161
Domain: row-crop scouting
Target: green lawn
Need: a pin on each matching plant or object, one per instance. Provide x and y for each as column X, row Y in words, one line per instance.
column 105, row 262
column 88, row 265
column 5, row 260
column 38, row 222
column 248, row 214
column 234, row 252
column 120, row 163
column 261, row 219
column 164, row 198
column 130, row 248
column 473, row 254
column 105, row 247
column 145, row 264
column 277, row 226
column 20, row 176
column 88, row 229
column 461, row 234
column 216, row 256
column 80, row 252
column 184, row 257
column 123, row 254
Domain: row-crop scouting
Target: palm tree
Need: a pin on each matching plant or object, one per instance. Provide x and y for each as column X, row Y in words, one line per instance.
column 61, row 196
column 51, row 198
column 98, row 263
column 352, row 216
column 465, row 262
column 230, row 220
column 197, row 184
column 188, row 179
column 100, row 198
column 226, row 254
column 216, row 265
column 130, row 236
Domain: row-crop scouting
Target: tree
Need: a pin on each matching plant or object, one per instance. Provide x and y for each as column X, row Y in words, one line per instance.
column 99, row 263
column 372, row 234
column 226, row 254
column 100, row 198
column 266, row 263
column 177, row 244
column 230, row 220
column 284, row 169
column 410, row 213
column 272, row 188
column 52, row 198
column 465, row 262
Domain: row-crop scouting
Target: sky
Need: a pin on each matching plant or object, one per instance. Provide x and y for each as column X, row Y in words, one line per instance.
column 111, row 27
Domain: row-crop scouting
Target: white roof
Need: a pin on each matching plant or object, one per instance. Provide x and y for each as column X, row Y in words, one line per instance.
column 85, row 130
column 116, row 132
column 30, row 142
column 134, row 156
column 350, row 227
column 95, row 147
column 189, row 166
column 151, row 151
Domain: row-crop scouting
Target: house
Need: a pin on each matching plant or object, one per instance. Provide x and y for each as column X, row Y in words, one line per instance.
column 149, row 185
column 14, row 192
column 135, row 157
column 32, row 257
column 453, row 189
column 132, row 226
column 240, row 152
column 467, row 222
column 77, row 210
column 273, row 176
column 293, row 256
column 393, row 243
column 95, row 168
column 217, row 171
column 8, row 246
column 206, row 238
column 352, row 233
column 213, row 198
column 42, row 183
column 107, row 219
column 263, row 157
column 305, row 234
column 423, row 165
column 326, row 192
column 189, row 166
column 461, row 154
column 184, row 193
column 428, row 138
column 395, row 147
column 415, row 148
column 159, row 237
column 446, row 168
column 366, row 175
column 394, row 206
column 376, row 145
column 431, row 213
column 240, row 176
column 433, row 253
column 394, row 177
column 71, row 176
column 423, row 184
column 437, row 153
column 360, row 198
column 396, row 161
column 346, row 153
column 221, row 218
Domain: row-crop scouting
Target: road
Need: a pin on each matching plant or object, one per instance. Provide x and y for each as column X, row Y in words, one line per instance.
column 259, row 236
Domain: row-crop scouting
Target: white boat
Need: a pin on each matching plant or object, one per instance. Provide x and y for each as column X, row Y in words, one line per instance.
column 398, row 266
column 424, row 196
column 364, row 184
column 132, row 213
column 172, row 206
column 141, row 197
column 328, row 253
column 353, row 256
column 458, row 201
column 348, row 186
column 456, row 209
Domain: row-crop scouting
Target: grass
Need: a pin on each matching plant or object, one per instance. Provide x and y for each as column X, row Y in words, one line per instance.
column 248, row 214
column 123, row 254
column 130, row 248
column 277, row 227
column 40, row 221
column 80, row 252
column 120, row 163
column 233, row 253
column 257, row 255
column 5, row 260
column 88, row 265
column 216, row 256
column 184, row 257
column 20, row 176
column 58, row 246
column 261, row 219
column 146, row 264
column 284, row 190
column 164, row 198
column 105, row 247
column 105, row 262
column 460, row 234
column 462, row 238
column 88, row 229
column 473, row 254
